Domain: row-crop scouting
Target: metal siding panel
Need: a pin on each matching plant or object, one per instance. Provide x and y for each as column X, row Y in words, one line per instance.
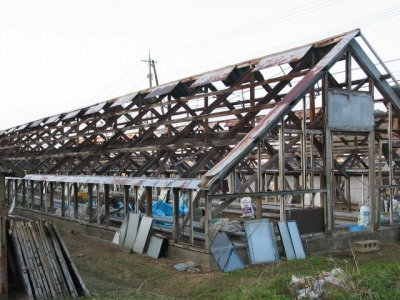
column 162, row 89
column 155, row 246
column 350, row 111
column 296, row 240
column 218, row 75
column 274, row 116
column 260, row 242
column 282, row 58
column 131, row 230
column 142, row 234
column 286, row 240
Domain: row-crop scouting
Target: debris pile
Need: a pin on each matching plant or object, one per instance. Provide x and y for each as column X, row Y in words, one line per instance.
column 43, row 263
column 309, row 287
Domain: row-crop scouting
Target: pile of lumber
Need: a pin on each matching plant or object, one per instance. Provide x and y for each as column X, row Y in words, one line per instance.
column 43, row 262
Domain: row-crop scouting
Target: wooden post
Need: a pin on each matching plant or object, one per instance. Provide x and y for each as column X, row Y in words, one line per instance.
column 76, row 204
column 41, row 196
column 16, row 191
column 3, row 239
column 90, row 192
column 176, row 214
column 107, row 204
column 149, row 201
column 51, row 197
column 24, row 204
column 32, row 183
column 63, row 199
column 126, row 200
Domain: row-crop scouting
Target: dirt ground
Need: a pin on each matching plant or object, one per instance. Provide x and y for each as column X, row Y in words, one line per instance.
column 110, row 271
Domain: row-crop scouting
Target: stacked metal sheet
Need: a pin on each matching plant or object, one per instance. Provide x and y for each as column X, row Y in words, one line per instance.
column 43, row 262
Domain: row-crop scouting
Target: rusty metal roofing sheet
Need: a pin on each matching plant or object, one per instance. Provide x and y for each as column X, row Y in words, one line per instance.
column 213, row 76
column 36, row 123
column 162, row 89
column 282, row 58
column 72, row 114
column 189, row 183
column 266, row 125
column 52, row 119
column 123, row 99
column 11, row 130
column 23, row 126
column 95, row 108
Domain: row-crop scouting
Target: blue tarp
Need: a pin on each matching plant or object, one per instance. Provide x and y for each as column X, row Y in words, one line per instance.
column 162, row 209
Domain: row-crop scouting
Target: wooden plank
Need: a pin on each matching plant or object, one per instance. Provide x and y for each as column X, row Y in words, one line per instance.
column 73, row 267
column 21, row 266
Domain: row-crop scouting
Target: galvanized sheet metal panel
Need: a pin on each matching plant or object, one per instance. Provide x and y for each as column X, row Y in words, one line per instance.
column 131, row 230
column 36, row 123
column 261, row 243
column 225, row 254
column 350, row 110
column 286, row 240
column 218, row 75
column 123, row 99
column 162, row 89
column 95, row 108
column 274, row 116
column 122, row 231
column 72, row 114
column 282, row 58
column 142, row 234
column 296, row 240
column 155, row 245
column 52, row 119
column 23, row 126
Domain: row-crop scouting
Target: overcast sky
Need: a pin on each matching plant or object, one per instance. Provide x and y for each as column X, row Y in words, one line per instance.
column 59, row 55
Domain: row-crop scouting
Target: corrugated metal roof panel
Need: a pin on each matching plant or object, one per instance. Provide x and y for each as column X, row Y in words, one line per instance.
column 282, row 58
column 36, row 123
column 162, row 89
column 52, row 119
column 72, row 114
column 213, row 76
column 11, row 130
column 23, row 126
column 123, row 99
column 95, row 108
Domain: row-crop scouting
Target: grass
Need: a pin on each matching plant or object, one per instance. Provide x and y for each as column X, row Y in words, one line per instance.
column 111, row 273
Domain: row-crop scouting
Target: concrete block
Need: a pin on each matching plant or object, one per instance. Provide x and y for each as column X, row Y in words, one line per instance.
column 366, row 246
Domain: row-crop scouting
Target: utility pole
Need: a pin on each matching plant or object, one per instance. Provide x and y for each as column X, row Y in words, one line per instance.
column 151, row 63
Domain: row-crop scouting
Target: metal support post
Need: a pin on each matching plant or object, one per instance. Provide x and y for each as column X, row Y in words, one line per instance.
column 282, row 213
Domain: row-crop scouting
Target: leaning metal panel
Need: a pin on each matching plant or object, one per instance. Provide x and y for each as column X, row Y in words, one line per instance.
column 261, row 243
column 296, row 239
column 350, row 110
column 142, row 234
column 131, row 230
column 225, row 254
column 286, row 240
